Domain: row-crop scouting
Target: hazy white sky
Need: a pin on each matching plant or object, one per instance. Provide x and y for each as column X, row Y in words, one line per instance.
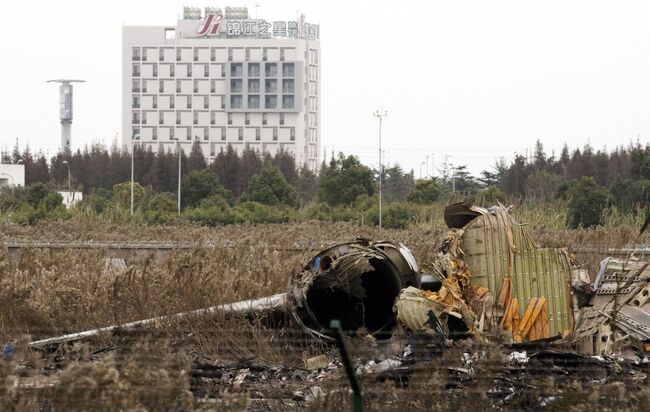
column 473, row 80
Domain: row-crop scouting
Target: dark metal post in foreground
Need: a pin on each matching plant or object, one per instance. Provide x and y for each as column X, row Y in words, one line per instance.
column 357, row 395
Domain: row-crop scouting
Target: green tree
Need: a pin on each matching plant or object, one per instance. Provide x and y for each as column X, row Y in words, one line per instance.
column 269, row 187
column 344, row 180
column 163, row 202
column 196, row 160
column 587, row 200
column 425, row 191
column 122, row 194
column 396, row 184
column 200, row 184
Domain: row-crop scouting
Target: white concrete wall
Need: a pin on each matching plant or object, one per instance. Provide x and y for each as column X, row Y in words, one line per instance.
column 12, row 173
column 71, row 198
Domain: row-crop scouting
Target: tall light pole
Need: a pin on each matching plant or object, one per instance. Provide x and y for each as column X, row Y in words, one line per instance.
column 65, row 110
column 178, row 149
column 136, row 137
column 12, row 182
column 380, row 114
column 65, row 162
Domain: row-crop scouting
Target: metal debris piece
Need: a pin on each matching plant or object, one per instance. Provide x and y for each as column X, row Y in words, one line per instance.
column 317, row 362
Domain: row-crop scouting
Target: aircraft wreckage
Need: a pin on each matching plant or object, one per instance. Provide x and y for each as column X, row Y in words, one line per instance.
column 489, row 280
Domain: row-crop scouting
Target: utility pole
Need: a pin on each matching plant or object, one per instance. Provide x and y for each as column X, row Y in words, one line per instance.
column 380, row 114
column 136, row 137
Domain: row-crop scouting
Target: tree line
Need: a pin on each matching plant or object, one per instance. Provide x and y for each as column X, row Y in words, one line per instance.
column 587, row 181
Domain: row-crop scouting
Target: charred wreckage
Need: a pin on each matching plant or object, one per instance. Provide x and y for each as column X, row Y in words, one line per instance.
column 488, row 282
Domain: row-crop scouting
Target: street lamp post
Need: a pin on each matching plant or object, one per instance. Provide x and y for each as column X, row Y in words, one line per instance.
column 178, row 149
column 380, row 114
column 136, row 137
column 65, row 162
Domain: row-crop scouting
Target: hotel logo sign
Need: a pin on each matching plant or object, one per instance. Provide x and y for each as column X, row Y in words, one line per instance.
column 215, row 25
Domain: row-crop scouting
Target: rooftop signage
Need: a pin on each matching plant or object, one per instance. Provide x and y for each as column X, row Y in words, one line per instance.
column 214, row 25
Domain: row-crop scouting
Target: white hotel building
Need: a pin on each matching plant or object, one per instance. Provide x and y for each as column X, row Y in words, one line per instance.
column 224, row 79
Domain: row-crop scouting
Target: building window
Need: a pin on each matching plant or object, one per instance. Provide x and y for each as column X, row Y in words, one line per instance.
column 161, row 55
column 265, row 54
column 136, row 86
column 161, row 86
column 229, row 119
column 287, row 69
column 253, row 86
column 189, row 102
column 253, row 70
column 144, row 54
column 189, row 70
column 287, row 102
column 287, row 86
column 155, row 102
column 223, row 133
column 247, row 119
column 223, row 102
column 223, row 70
column 171, row 133
column 206, row 70
column 136, row 70
column 281, row 54
column 206, row 102
column 196, row 86
column 195, row 116
column 171, row 102
column 155, row 70
column 136, row 132
column 196, row 54
column 178, row 86
column 178, row 117
column 213, row 118
column 213, row 86
column 172, row 70
column 248, row 55
column 235, row 69
column 136, row 118
column 292, row 132
column 213, row 54
column 258, row 134
column 275, row 134
column 271, row 86
column 136, row 102
column 178, row 54
column 235, row 101
column 161, row 117
column 271, row 101
column 206, row 135
column 264, row 118
column 213, row 149
column 240, row 134
column 154, row 133
column 236, row 86
column 281, row 119
column 253, row 101
column 188, row 134
column 136, row 54
column 271, row 70
column 229, row 54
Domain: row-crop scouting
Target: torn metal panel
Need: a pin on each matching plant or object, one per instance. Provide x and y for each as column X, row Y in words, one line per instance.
column 495, row 247
column 618, row 313
column 356, row 283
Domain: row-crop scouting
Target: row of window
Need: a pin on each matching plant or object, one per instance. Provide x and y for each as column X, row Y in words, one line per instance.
column 222, row 133
column 270, row 86
column 236, row 70
column 270, row 101
column 216, row 53
column 139, row 119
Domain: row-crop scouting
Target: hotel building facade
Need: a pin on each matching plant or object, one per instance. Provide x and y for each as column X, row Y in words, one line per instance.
column 222, row 78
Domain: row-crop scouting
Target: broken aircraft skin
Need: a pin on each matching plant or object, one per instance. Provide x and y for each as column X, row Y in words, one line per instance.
column 488, row 280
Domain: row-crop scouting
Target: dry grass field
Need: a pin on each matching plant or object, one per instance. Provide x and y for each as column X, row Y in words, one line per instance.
column 233, row 364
